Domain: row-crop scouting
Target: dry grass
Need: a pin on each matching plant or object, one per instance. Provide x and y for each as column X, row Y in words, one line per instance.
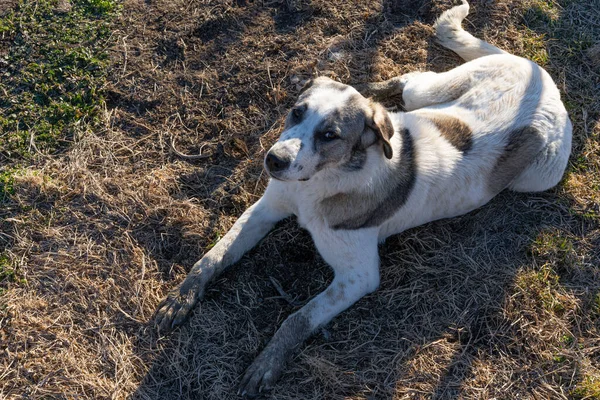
column 501, row 303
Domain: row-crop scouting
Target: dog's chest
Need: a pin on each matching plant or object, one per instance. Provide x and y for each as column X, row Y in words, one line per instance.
column 309, row 214
column 306, row 206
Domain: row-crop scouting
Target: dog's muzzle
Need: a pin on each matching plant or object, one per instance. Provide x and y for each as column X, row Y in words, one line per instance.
column 279, row 159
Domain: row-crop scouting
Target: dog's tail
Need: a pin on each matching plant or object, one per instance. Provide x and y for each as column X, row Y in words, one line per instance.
column 450, row 34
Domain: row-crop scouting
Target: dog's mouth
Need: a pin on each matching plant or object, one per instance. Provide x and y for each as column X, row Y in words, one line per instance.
column 281, row 179
column 274, row 176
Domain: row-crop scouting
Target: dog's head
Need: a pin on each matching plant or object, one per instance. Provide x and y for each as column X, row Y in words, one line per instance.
column 330, row 126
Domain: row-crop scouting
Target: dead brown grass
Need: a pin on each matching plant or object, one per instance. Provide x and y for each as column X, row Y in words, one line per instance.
column 500, row 303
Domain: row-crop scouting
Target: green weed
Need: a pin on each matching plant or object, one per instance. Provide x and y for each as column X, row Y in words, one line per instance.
column 534, row 47
column 555, row 247
column 7, row 184
column 543, row 287
column 8, row 273
column 587, row 388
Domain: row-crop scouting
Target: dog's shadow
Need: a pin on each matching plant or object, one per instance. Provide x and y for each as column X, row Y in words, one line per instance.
column 443, row 306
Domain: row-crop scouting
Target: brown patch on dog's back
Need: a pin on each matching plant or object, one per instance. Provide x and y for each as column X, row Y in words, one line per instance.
column 519, row 152
column 457, row 132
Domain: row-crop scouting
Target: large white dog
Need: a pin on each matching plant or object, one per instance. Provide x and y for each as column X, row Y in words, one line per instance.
column 354, row 174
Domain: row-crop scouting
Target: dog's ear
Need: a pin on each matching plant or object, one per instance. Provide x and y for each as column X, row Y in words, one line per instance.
column 381, row 125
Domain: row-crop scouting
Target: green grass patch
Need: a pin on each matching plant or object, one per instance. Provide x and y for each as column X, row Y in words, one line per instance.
column 8, row 273
column 55, row 64
column 543, row 288
column 570, row 37
column 216, row 239
column 542, row 12
column 587, row 388
column 554, row 247
column 559, row 358
column 534, row 47
column 7, row 184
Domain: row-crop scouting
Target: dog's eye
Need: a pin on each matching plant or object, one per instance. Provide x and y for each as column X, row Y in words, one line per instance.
column 330, row 135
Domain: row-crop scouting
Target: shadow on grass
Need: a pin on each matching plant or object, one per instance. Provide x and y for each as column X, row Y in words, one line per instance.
column 446, row 302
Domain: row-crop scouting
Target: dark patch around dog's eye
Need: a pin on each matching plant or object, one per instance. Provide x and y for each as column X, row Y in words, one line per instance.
column 356, row 211
column 324, row 137
column 328, row 130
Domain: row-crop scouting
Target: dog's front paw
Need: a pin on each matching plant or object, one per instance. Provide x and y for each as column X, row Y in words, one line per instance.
column 174, row 309
column 262, row 374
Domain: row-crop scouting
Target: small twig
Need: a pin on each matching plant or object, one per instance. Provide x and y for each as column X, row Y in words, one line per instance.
column 33, row 146
column 258, row 181
column 188, row 156
column 32, row 142
column 283, row 294
column 128, row 315
column 124, row 54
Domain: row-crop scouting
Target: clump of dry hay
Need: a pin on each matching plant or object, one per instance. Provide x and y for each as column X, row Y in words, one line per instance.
column 500, row 302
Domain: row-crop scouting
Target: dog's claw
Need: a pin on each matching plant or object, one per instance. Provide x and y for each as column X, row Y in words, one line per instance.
column 165, row 320
column 174, row 310
column 181, row 314
column 262, row 374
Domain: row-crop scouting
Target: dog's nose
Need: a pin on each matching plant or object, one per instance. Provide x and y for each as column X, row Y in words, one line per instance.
column 275, row 164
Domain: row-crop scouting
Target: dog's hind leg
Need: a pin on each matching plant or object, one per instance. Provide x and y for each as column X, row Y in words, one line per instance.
column 252, row 226
column 353, row 256
column 381, row 90
column 420, row 89
column 423, row 89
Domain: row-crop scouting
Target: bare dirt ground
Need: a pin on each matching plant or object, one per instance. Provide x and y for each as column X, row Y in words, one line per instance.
column 501, row 303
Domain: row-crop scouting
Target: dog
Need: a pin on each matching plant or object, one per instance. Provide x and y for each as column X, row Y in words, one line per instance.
column 353, row 173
